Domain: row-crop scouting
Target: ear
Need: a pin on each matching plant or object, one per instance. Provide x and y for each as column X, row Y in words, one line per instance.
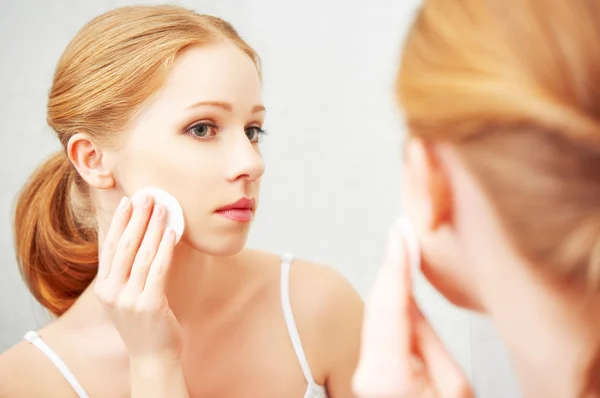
column 87, row 156
column 426, row 185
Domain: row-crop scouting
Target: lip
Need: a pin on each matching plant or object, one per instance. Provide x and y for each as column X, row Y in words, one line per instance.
column 240, row 211
column 242, row 204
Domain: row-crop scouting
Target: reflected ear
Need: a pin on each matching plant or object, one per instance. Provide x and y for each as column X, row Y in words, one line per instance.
column 86, row 157
column 427, row 180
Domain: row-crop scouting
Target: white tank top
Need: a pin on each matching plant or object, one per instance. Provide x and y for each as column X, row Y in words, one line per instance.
column 313, row 389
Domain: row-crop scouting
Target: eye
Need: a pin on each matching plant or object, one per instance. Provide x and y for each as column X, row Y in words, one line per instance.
column 255, row 133
column 202, row 130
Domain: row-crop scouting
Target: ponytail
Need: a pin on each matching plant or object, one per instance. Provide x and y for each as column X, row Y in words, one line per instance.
column 55, row 226
column 57, row 254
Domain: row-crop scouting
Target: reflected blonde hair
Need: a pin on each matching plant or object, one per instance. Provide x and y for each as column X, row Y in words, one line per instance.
column 515, row 86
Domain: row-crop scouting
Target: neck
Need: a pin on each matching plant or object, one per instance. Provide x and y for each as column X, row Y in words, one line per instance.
column 202, row 284
column 551, row 331
column 198, row 285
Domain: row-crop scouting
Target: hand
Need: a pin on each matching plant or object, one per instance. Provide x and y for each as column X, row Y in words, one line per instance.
column 130, row 285
column 401, row 355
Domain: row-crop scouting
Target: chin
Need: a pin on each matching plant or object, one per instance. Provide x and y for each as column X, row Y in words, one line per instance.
column 216, row 244
column 449, row 286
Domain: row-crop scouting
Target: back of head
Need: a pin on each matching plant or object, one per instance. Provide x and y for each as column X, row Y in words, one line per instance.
column 513, row 85
column 114, row 64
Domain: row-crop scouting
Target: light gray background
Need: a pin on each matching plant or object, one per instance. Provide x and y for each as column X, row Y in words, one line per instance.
column 331, row 189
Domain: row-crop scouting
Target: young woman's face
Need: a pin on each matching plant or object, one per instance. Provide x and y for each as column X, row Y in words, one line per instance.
column 442, row 200
column 198, row 139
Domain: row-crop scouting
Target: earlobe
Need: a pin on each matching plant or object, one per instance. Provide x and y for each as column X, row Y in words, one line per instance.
column 86, row 157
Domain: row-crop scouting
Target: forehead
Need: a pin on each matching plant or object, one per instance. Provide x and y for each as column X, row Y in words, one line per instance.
column 218, row 72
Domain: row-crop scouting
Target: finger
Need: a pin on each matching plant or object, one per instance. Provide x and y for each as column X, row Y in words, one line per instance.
column 442, row 369
column 117, row 226
column 156, row 280
column 147, row 251
column 395, row 279
column 130, row 240
column 387, row 329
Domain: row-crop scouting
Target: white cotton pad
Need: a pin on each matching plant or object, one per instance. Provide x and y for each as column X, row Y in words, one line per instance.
column 412, row 244
column 174, row 210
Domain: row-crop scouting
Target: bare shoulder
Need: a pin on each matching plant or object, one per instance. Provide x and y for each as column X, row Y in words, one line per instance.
column 323, row 291
column 24, row 374
column 317, row 290
column 328, row 312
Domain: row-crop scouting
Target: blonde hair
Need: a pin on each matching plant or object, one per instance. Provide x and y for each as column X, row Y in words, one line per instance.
column 514, row 85
column 114, row 64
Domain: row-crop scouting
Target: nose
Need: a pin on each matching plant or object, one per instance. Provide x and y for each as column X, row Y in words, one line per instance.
column 245, row 161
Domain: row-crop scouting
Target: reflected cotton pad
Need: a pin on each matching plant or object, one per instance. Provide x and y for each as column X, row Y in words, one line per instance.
column 412, row 244
column 174, row 210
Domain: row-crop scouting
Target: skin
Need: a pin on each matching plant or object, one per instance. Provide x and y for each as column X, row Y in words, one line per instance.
column 401, row 355
column 470, row 260
column 231, row 334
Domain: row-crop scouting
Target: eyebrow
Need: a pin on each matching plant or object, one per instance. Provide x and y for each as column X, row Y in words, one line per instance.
column 225, row 105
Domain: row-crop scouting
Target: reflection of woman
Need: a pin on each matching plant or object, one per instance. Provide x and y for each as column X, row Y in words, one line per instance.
column 161, row 96
column 502, row 184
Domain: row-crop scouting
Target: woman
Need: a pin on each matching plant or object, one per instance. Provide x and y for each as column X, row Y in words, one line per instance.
column 161, row 96
column 502, row 185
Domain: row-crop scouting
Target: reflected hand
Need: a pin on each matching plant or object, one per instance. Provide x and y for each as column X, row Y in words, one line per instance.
column 401, row 355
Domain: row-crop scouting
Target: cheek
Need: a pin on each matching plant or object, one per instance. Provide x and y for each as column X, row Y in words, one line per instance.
column 144, row 168
column 185, row 177
column 447, row 270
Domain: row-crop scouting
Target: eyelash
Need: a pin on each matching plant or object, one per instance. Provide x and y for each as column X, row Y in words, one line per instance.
column 259, row 131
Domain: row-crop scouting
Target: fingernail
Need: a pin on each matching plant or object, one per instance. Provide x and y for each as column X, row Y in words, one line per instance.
column 393, row 248
column 158, row 211
column 123, row 203
column 140, row 201
column 170, row 233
